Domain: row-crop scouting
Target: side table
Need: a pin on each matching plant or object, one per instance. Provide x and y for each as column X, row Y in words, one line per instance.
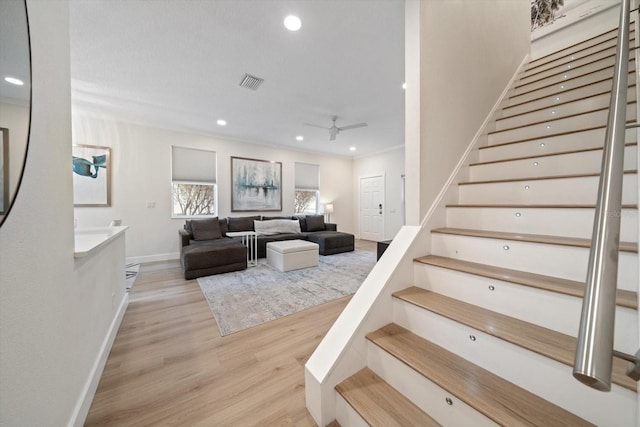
column 250, row 240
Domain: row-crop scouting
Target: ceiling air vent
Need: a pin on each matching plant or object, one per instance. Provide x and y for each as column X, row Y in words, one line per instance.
column 251, row 82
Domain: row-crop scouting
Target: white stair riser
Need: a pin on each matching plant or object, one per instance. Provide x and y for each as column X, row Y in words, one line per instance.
column 566, row 222
column 569, row 84
column 422, row 392
column 588, row 46
column 584, row 162
column 569, row 65
column 519, row 366
column 565, row 75
column 551, row 100
column 515, row 300
column 551, row 127
column 557, row 111
column 574, row 191
column 555, row 144
column 566, row 262
column 346, row 415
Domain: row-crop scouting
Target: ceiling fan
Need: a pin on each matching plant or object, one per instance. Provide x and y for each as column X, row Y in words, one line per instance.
column 335, row 130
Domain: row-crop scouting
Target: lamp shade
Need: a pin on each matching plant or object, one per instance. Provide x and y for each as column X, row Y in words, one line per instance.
column 328, row 208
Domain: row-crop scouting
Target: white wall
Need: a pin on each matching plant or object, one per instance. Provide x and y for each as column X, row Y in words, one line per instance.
column 389, row 164
column 141, row 157
column 55, row 312
column 465, row 61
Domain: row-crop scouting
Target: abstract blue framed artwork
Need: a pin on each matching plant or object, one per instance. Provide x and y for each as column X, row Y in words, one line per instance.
column 256, row 185
column 91, row 176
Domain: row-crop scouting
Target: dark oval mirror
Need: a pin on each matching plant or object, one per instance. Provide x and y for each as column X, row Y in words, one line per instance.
column 15, row 99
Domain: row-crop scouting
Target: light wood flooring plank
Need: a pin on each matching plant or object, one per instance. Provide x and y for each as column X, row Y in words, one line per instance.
column 170, row 366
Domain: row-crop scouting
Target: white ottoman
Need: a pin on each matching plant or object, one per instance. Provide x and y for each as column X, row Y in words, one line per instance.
column 292, row 254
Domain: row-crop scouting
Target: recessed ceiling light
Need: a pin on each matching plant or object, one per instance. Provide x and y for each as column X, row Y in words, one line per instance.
column 404, row 85
column 292, row 23
column 221, row 122
column 14, row 81
column 352, row 148
column 299, row 138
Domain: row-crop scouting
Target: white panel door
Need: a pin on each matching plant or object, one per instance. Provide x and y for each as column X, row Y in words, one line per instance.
column 371, row 208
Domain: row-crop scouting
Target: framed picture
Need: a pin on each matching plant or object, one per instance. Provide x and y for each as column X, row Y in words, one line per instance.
column 256, row 185
column 4, row 170
column 91, row 176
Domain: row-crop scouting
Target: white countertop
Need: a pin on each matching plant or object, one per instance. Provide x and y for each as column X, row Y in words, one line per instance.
column 88, row 240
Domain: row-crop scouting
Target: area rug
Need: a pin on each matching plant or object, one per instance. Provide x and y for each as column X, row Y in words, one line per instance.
column 242, row 299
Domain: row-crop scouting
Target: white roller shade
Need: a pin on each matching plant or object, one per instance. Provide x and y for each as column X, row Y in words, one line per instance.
column 307, row 176
column 193, row 165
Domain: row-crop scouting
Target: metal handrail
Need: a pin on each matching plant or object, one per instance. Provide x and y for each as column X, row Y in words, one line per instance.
column 594, row 352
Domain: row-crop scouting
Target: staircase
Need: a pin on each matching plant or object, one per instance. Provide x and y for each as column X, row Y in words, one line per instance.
column 486, row 333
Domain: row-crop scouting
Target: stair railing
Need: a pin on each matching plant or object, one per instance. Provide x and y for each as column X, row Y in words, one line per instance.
column 594, row 353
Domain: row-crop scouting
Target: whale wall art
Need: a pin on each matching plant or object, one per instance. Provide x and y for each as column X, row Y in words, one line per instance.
column 91, row 176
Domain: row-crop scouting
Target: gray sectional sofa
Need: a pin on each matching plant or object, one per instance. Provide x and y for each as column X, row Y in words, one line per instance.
column 205, row 248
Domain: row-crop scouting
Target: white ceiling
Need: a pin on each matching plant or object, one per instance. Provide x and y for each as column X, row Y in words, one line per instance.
column 177, row 64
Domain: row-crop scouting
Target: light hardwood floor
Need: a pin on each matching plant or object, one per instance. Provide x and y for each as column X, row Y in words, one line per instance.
column 170, row 366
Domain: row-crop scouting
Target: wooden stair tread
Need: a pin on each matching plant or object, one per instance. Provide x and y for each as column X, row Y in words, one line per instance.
column 536, row 156
column 565, row 60
column 334, row 423
column 613, row 32
column 379, row 404
column 533, row 238
column 554, row 104
column 539, row 178
column 604, row 68
column 564, row 70
column 570, row 116
column 624, row 298
column 546, row 342
column 540, row 138
column 567, row 91
column 499, row 400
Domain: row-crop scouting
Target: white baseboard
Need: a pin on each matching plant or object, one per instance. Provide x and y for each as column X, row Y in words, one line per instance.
column 153, row 258
column 89, row 390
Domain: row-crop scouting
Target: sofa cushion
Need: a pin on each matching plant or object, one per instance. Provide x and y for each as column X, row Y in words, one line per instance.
column 276, row 226
column 303, row 222
column 206, row 229
column 315, row 222
column 244, row 223
column 268, row 218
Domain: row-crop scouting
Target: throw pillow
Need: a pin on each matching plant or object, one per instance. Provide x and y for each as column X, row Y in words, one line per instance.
column 206, row 229
column 315, row 223
column 244, row 223
column 303, row 222
column 277, row 226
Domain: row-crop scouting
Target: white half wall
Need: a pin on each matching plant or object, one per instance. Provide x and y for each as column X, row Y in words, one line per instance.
column 55, row 312
column 389, row 164
column 141, row 162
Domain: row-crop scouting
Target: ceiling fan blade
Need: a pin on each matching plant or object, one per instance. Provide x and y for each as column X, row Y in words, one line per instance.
column 316, row 126
column 357, row 125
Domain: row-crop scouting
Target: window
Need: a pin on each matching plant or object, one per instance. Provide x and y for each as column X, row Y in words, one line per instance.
column 193, row 182
column 307, row 188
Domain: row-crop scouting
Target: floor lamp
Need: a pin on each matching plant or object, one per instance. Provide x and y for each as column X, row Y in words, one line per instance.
column 328, row 209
